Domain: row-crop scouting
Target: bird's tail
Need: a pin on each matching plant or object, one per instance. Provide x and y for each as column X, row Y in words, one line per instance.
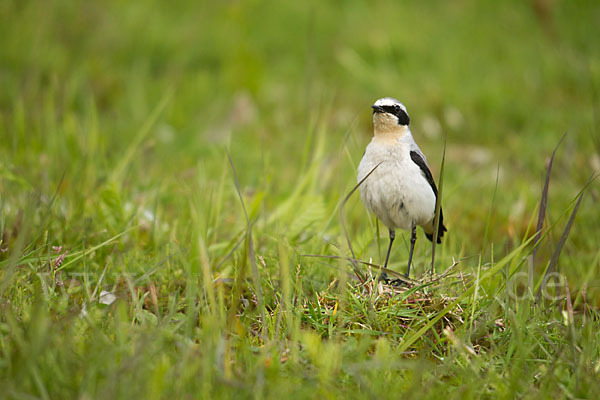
column 429, row 230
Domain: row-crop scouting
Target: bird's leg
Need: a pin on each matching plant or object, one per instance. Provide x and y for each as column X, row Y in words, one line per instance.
column 387, row 256
column 413, row 239
column 392, row 237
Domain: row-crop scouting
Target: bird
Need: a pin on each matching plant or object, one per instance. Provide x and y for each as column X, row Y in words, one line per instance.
column 394, row 179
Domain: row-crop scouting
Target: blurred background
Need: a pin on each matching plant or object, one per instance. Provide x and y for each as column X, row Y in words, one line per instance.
column 126, row 108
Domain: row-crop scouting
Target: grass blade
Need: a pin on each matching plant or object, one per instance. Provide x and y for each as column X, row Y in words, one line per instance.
column 83, row 253
column 343, row 222
column 554, row 260
column 117, row 173
column 544, row 202
column 467, row 292
column 354, row 260
column 438, row 207
column 250, row 247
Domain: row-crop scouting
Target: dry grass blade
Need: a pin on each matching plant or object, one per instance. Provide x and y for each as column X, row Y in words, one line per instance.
column 561, row 242
column 354, row 264
column 438, row 207
column 250, row 247
column 354, row 260
column 544, row 201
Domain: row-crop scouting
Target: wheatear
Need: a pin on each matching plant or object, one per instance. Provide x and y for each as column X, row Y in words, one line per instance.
column 401, row 191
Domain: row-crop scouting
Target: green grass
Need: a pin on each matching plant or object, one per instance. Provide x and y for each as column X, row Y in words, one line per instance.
column 116, row 119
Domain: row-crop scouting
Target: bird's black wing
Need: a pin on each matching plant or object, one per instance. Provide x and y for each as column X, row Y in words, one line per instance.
column 418, row 159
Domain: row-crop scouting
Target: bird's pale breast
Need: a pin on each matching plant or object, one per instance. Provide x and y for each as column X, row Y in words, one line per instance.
column 396, row 192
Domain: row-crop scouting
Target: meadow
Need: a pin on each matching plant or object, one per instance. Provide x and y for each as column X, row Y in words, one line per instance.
column 172, row 185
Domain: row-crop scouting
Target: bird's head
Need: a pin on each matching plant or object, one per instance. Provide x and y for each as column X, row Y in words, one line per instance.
column 389, row 116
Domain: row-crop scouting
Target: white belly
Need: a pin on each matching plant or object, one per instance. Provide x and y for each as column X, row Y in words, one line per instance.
column 396, row 192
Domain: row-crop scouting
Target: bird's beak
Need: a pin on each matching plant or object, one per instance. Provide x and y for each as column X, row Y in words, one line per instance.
column 377, row 109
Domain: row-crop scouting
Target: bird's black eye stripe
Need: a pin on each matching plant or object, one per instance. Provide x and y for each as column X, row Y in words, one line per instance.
column 396, row 110
column 389, row 109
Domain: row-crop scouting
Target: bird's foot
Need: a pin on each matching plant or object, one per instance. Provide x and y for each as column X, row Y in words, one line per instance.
column 397, row 283
column 384, row 278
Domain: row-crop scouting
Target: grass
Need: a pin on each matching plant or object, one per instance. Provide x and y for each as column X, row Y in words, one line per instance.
column 187, row 158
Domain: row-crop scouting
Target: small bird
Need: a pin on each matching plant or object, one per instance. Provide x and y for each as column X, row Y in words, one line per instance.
column 400, row 190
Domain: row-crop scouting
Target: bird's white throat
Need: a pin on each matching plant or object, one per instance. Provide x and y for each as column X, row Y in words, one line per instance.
column 385, row 124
